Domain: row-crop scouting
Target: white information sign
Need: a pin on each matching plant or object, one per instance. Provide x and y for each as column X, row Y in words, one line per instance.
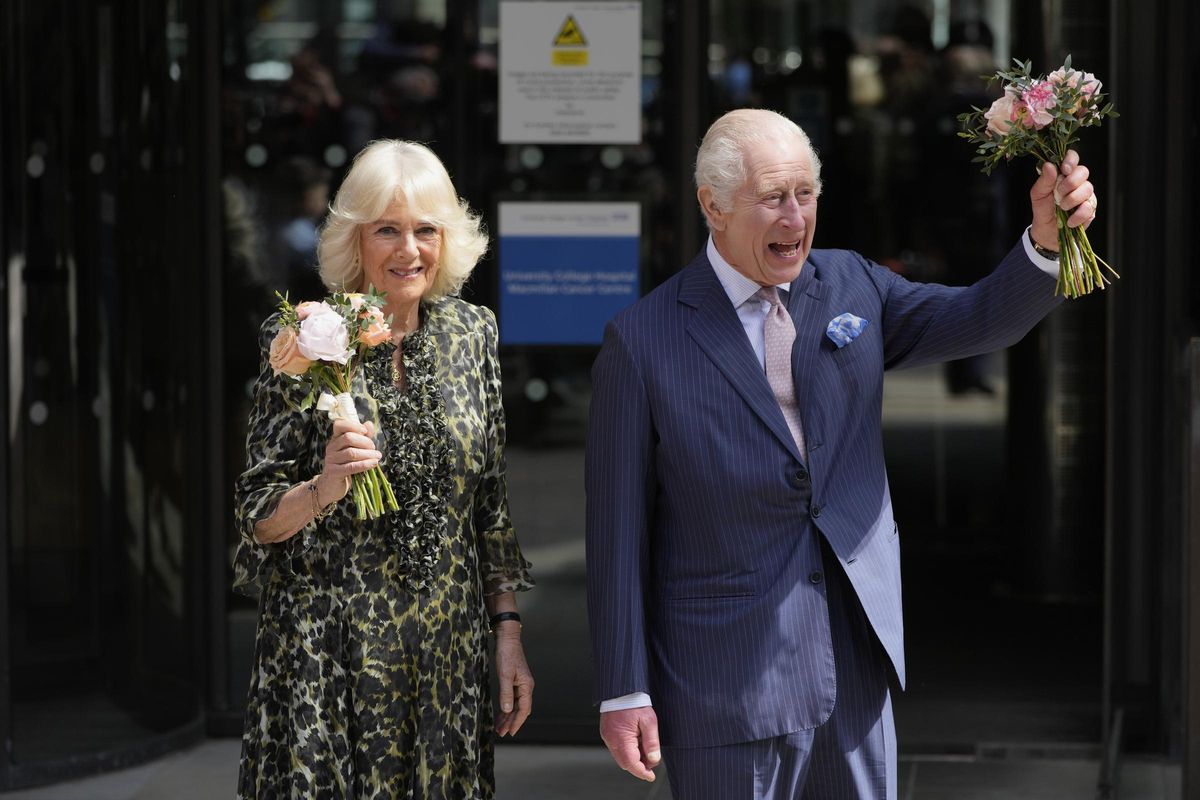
column 570, row 73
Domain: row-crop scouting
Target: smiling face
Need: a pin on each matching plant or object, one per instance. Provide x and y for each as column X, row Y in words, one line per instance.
column 767, row 231
column 400, row 256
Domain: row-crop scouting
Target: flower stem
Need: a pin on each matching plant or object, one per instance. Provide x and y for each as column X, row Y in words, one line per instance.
column 1079, row 267
column 391, row 497
column 372, row 494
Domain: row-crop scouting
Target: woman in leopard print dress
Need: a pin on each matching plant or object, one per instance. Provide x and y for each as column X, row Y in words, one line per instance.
column 371, row 666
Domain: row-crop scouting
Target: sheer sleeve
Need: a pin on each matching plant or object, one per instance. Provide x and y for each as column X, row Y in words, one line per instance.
column 502, row 566
column 279, row 454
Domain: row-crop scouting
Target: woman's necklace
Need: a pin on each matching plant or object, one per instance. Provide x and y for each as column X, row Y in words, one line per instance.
column 398, row 358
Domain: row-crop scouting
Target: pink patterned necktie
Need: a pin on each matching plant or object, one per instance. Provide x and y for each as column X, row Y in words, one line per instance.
column 778, row 335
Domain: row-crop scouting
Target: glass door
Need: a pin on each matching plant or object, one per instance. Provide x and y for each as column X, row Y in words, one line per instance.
column 546, row 363
column 1002, row 591
column 102, row 515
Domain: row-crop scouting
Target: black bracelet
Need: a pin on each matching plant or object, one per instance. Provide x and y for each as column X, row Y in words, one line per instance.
column 1044, row 252
column 503, row 616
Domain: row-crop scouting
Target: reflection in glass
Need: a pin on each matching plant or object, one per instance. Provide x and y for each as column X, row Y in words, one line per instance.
column 100, row 469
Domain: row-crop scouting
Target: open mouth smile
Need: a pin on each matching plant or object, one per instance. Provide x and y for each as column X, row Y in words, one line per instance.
column 785, row 249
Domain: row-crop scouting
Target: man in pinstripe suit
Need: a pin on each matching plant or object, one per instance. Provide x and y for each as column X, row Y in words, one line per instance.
column 743, row 561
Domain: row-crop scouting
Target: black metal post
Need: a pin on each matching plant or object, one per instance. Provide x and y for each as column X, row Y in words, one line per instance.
column 214, row 495
column 686, row 27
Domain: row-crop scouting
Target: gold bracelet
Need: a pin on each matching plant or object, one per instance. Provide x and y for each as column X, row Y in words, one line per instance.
column 314, row 497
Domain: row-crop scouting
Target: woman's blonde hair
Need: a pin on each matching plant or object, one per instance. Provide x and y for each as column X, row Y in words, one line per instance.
column 389, row 170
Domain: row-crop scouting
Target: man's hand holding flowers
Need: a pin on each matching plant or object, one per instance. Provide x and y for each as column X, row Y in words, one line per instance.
column 1066, row 187
column 1041, row 117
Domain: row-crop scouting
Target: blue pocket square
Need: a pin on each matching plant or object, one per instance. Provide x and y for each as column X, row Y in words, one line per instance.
column 845, row 328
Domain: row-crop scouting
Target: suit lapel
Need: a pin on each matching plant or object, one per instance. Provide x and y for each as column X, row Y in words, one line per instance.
column 717, row 330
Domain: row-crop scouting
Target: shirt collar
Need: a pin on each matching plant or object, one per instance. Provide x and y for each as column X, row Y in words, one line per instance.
column 737, row 286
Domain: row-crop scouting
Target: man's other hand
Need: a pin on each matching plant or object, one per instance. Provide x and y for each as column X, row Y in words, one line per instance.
column 632, row 738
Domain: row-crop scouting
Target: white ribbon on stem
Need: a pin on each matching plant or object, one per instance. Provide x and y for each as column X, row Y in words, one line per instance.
column 338, row 407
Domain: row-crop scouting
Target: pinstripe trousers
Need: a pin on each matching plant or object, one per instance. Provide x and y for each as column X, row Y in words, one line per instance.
column 851, row 756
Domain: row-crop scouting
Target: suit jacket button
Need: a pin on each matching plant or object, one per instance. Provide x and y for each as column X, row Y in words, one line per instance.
column 816, row 512
column 816, row 578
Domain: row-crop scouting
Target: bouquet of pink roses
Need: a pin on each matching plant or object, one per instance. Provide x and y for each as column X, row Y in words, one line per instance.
column 321, row 344
column 1041, row 117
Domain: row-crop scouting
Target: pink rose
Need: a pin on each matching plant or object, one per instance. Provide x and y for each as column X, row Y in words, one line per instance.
column 1002, row 114
column 1088, row 84
column 323, row 335
column 1084, row 82
column 356, row 300
column 1039, row 99
column 305, row 308
column 1089, row 87
column 376, row 331
column 1062, row 75
column 285, row 354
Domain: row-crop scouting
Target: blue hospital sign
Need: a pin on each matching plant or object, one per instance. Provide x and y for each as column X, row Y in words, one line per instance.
column 565, row 269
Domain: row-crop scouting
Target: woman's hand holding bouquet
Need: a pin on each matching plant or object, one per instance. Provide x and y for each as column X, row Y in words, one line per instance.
column 321, row 344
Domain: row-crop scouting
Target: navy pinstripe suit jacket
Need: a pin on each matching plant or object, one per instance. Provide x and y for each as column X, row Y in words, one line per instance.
column 701, row 518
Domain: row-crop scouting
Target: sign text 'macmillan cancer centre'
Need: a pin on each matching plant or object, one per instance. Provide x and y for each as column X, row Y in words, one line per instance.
column 566, row 282
column 565, row 269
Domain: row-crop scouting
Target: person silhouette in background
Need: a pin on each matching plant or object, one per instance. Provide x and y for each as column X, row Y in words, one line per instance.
column 309, row 106
column 305, row 184
column 972, row 227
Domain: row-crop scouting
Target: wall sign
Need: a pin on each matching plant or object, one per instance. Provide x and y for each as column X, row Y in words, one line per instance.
column 565, row 269
column 570, row 73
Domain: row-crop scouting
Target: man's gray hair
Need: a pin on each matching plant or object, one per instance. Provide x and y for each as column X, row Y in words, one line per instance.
column 721, row 162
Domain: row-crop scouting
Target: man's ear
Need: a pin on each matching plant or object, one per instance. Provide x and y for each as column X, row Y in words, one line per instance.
column 714, row 215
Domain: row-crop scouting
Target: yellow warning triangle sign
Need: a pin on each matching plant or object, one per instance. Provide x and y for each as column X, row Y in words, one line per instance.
column 570, row 34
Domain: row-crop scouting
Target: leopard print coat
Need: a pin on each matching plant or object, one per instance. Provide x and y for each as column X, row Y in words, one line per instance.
column 370, row 673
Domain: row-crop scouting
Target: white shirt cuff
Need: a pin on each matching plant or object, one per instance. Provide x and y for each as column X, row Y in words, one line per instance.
column 635, row 700
column 1046, row 265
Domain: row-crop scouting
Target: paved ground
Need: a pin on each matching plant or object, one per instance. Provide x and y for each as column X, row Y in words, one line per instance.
column 209, row 771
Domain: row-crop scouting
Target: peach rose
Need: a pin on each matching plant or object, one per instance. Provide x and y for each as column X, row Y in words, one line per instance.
column 285, row 354
column 306, row 308
column 1002, row 114
column 376, row 331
